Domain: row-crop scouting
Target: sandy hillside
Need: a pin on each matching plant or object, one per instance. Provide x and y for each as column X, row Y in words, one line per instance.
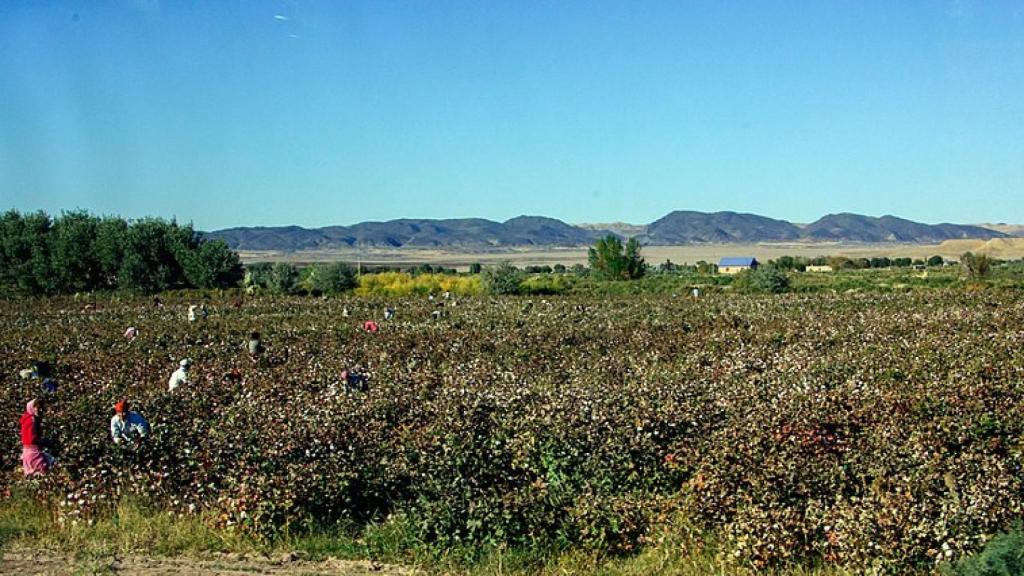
column 1002, row 248
column 1011, row 229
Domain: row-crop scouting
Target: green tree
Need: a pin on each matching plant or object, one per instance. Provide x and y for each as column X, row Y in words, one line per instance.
column 111, row 237
column 331, row 278
column 936, row 261
column 704, row 267
column 785, row 262
column 842, row 263
column 636, row 267
column 37, row 275
column 610, row 260
column 213, row 265
column 257, row 276
column 77, row 252
column 72, row 253
column 475, row 268
column 502, row 279
column 284, row 278
column 151, row 256
column 15, row 254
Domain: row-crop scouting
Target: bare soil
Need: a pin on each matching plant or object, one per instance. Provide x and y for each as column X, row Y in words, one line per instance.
column 50, row 563
column 1004, row 248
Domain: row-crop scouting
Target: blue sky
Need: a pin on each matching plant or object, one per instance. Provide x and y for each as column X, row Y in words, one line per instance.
column 314, row 113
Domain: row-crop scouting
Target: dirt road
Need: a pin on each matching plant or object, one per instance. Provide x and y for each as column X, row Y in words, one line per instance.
column 48, row 563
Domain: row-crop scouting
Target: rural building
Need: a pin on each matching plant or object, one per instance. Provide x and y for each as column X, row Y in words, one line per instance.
column 736, row 265
column 820, row 268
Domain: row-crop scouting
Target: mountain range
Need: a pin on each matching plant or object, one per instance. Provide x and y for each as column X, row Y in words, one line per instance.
column 676, row 228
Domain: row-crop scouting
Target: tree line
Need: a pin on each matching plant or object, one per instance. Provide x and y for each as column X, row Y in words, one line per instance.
column 80, row 252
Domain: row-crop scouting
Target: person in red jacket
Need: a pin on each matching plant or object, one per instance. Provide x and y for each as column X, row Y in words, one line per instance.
column 33, row 459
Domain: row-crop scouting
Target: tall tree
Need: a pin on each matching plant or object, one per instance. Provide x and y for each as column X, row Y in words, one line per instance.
column 74, row 263
column 609, row 260
column 111, row 237
column 212, row 265
column 284, row 278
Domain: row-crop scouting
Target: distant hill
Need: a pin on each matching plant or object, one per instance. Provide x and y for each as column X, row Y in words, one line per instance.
column 676, row 228
column 621, row 228
column 854, row 227
column 413, row 233
column 686, row 227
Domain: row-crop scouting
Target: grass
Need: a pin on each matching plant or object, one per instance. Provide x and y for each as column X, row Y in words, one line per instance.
column 134, row 528
column 130, row 528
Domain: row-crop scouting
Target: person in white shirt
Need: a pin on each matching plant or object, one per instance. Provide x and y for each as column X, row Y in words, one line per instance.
column 180, row 375
column 127, row 424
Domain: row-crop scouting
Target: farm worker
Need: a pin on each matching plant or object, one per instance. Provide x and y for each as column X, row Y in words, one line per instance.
column 127, row 424
column 131, row 333
column 353, row 380
column 255, row 346
column 180, row 375
column 695, row 292
column 234, row 376
column 33, row 459
column 41, row 369
column 370, row 326
column 192, row 313
column 389, row 313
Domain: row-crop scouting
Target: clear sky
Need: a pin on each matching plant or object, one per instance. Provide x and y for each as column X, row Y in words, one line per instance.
column 269, row 112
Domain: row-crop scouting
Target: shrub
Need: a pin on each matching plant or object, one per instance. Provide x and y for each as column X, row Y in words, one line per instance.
column 546, row 284
column 975, row 265
column 331, row 278
column 502, row 279
column 405, row 284
column 763, row 280
column 1002, row 556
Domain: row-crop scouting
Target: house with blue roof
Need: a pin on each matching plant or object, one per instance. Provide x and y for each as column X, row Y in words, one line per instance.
column 736, row 265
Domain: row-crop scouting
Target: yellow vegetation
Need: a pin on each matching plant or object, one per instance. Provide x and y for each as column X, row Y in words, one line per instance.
column 404, row 284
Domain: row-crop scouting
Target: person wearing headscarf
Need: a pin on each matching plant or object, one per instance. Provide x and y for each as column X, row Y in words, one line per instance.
column 255, row 346
column 33, row 459
column 127, row 424
column 180, row 376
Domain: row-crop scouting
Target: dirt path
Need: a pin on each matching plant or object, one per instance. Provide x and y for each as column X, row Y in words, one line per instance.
column 48, row 563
